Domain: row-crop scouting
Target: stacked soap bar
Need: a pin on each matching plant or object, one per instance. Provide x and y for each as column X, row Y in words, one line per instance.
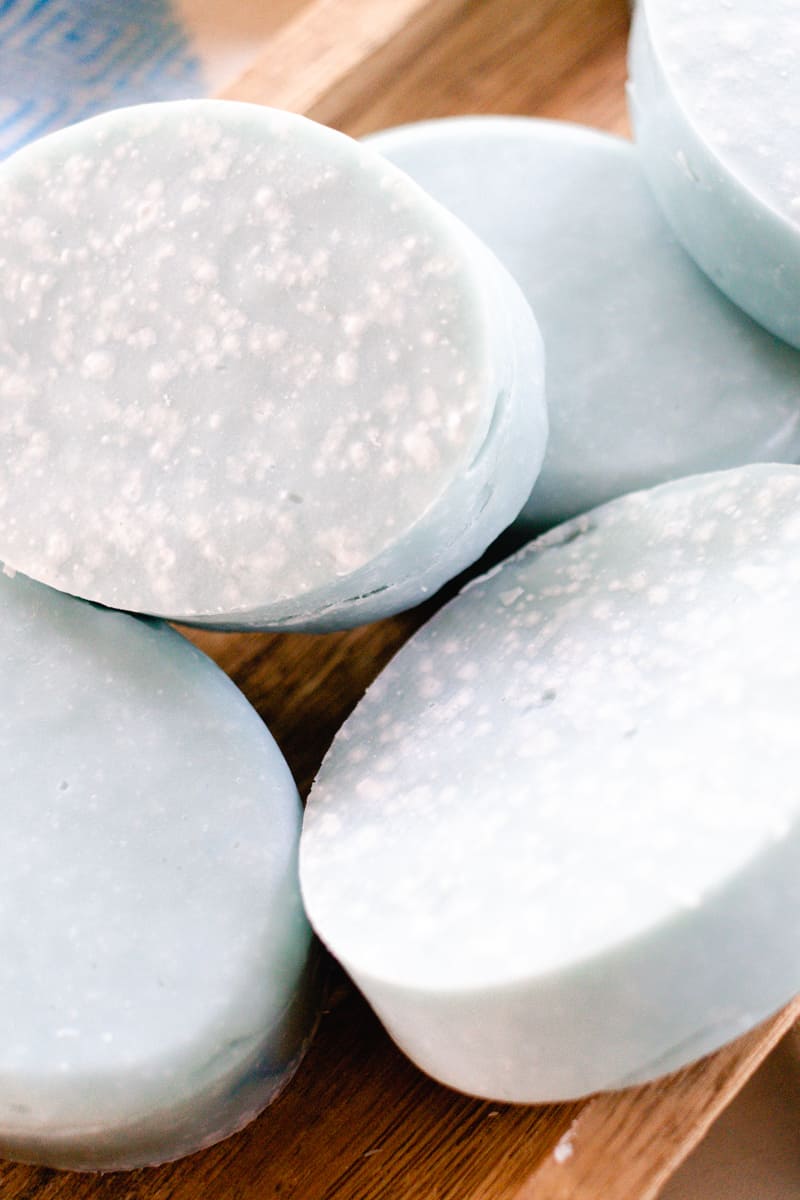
column 156, row 967
column 651, row 372
column 715, row 92
column 556, row 844
column 256, row 376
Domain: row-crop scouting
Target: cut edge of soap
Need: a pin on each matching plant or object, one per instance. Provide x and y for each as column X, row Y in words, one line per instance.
column 642, row 34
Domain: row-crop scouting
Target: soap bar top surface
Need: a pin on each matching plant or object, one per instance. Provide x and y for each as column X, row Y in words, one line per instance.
column 544, row 839
column 651, row 372
column 155, row 971
column 734, row 66
column 242, row 359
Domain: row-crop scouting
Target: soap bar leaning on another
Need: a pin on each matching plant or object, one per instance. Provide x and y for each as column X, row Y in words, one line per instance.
column 251, row 374
column 651, row 372
column 714, row 97
column 157, row 973
column 556, row 844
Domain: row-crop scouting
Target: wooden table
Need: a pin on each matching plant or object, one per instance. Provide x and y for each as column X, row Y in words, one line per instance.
column 359, row 1122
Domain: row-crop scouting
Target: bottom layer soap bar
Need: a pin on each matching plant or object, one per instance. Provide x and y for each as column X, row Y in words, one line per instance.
column 557, row 844
column 156, row 972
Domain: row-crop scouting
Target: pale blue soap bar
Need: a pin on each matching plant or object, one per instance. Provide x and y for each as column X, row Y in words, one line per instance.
column 714, row 100
column 252, row 375
column 651, row 373
column 556, row 844
column 157, row 981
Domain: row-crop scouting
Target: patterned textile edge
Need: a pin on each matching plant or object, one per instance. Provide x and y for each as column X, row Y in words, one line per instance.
column 64, row 60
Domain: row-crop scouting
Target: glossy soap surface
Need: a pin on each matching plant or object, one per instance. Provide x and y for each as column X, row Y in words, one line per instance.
column 156, row 983
column 714, row 97
column 651, row 372
column 251, row 375
column 556, row 843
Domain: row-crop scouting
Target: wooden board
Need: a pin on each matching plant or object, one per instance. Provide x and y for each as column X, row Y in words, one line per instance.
column 359, row 1122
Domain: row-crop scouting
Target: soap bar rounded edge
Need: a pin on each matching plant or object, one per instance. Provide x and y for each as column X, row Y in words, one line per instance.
column 751, row 252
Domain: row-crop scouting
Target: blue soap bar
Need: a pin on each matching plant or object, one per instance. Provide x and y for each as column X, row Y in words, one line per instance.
column 651, row 373
column 157, row 977
column 252, row 375
column 714, row 99
column 556, row 844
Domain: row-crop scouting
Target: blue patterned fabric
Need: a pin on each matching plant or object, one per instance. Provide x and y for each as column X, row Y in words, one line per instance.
column 64, row 60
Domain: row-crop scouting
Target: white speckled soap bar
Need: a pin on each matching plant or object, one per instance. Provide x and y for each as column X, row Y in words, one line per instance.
column 156, row 967
column 651, row 372
column 556, row 845
column 714, row 99
column 250, row 374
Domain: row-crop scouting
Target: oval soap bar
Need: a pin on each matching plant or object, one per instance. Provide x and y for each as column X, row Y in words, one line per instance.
column 251, row 374
column 157, row 981
column 556, row 844
column 651, row 372
column 714, row 97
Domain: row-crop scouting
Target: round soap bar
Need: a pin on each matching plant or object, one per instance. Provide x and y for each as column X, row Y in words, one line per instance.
column 714, row 98
column 556, row 844
column 651, row 372
column 157, row 981
column 251, row 375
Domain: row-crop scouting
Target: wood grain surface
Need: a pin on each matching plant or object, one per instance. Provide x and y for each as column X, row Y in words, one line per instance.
column 359, row 1122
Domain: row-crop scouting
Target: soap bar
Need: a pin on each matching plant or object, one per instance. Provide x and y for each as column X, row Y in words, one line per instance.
column 714, row 97
column 651, row 372
column 251, row 375
column 556, row 844
column 157, row 973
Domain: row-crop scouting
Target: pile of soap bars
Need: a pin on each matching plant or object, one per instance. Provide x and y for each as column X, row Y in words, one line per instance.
column 256, row 375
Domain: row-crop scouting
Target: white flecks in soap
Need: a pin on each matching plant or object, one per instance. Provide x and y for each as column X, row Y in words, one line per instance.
column 651, row 372
column 219, row 326
column 156, row 983
column 570, row 787
column 735, row 66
